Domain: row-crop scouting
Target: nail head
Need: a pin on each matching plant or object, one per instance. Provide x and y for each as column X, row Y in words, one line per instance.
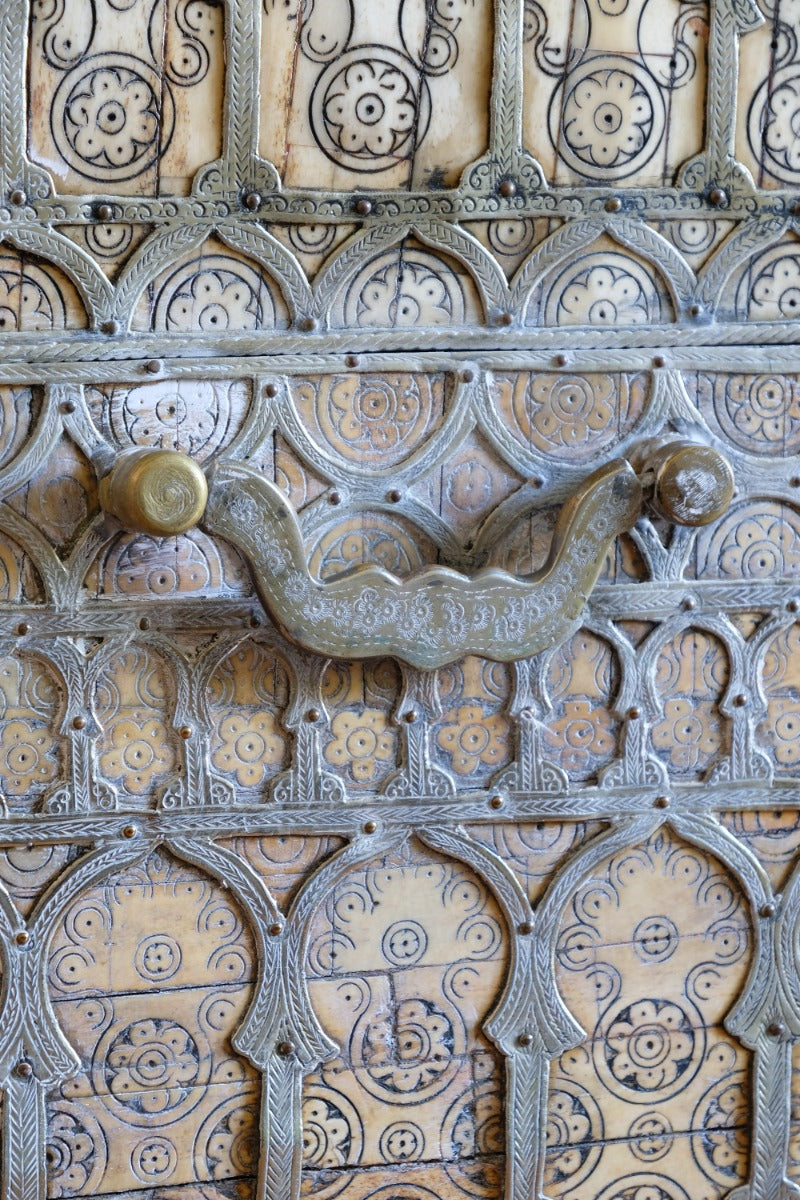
column 312, row 715
column 496, row 802
column 22, row 938
column 508, row 189
column 129, row 831
column 252, row 201
column 105, row 212
column 613, row 204
column 661, row 802
column 185, row 732
column 79, row 722
column 369, row 827
column 363, row 207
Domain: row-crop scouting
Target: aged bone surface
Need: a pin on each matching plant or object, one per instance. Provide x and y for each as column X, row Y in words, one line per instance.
column 281, row 920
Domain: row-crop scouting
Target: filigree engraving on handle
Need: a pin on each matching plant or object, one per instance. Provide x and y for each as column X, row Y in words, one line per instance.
column 438, row 615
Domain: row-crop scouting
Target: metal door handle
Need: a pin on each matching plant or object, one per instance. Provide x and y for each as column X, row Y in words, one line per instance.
column 438, row 615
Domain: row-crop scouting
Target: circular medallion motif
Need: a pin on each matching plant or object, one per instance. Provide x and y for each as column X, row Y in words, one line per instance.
column 158, row 957
column 402, row 289
column 404, row 943
column 214, row 294
column 112, row 118
column 608, row 120
column 649, row 1050
column 603, row 289
column 721, row 1144
column 76, row 1151
column 151, row 1069
column 773, row 127
column 402, row 1142
column 573, row 1135
column 410, row 1052
column 650, row 1137
column 655, row 939
column 369, row 108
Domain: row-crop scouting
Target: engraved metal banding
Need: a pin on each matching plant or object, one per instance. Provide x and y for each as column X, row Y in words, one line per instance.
column 160, row 492
column 437, row 615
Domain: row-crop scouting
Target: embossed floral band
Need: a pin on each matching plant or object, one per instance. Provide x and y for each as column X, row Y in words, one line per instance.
column 438, row 615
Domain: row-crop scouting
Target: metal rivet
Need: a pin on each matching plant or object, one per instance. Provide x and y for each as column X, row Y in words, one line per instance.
column 351, row 360
column 23, row 628
column 255, row 621
column 793, row 606
column 105, row 213
column 334, row 498
column 535, row 481
column 144, row 622
column 767, row 910
column 506, row 318
column 111, row 327
column 525, row 1039
column 661, row 802
column 79, row 722
column 363, row 207
column 67, row 407
column 18, row 196
column 284, row 1049
column 369, row 827
column 634, row 713
column 153, row 367
column 776, row 1029
column 22, row 938
column 275, row 930
column 394, row 497
column 129, row 831
column 794, row 481
column 307, row 324
column 659, row 361
column 23, row 1069
column 467, row 376
column 718, row 197
column 496, row 802
column 739, row 701
column 525, row 927
column 411, row 716
column 694, row 310
column 688, row 603
column 313, row 715
column 560, row 360
column 507, row 189
column 185, row 732
column 252, row 201
column 613, row 204
column 271, row 390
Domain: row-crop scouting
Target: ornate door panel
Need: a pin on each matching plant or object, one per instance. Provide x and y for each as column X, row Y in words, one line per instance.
column 474, row 873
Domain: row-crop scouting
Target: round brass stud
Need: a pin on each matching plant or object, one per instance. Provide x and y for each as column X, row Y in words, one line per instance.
column 284, row 1049
column 613, row 204
column 363, row 207
column 560, row 360
column 525, row 1039
column 24, row 1069
column 718, row 197
column 506, row 318
column 659, row 361
column 776, row 1029
column 144, row 623
column 129, row 831
column 793, row 606
column 18, row 197
column 271, row 390
column 159, row 492
column 105, row 212
column 508, row 189
column 334, row 498
column 467, row 376
column 496, row 802
column 23, row 628
column 525, row 928
column 411, row 716
column 185, row 732
column 739, row 701
column 153, row 367
column 688, row 604
column 67, row 407
column 369, row 827
column 79, row 722
column 313, row 715
column 394, row 497
column 22, row 937
column 275, row 930
column 693, row 484
column 307, row 324
column 634, row 714
column 767, row 910
column 252, row 201
column 351, row 360
column 661, row 802
column 111, row 327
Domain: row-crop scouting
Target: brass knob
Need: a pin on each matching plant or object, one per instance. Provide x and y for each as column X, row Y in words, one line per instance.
column 689, row 483
column 160, row 492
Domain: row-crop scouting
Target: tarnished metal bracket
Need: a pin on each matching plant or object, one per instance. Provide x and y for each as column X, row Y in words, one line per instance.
column 438, row 615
